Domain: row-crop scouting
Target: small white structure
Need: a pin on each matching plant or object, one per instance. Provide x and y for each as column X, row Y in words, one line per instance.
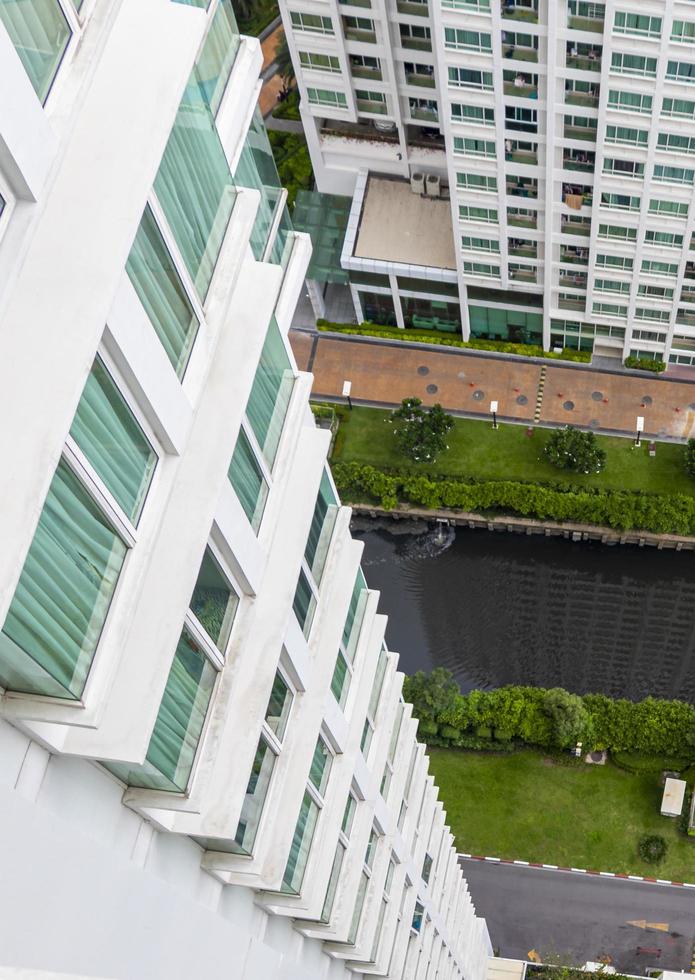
column 672, row 800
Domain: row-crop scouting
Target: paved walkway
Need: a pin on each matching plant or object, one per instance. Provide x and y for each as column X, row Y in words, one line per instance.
column 527, row 391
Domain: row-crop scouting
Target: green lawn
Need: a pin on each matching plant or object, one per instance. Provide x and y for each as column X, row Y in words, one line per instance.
column 477, row 450
column 522, row 805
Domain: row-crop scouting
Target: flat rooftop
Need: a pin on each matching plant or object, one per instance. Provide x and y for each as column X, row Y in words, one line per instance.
column 400, row 226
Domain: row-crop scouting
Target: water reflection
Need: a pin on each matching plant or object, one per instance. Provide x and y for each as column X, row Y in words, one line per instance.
column 499, row 608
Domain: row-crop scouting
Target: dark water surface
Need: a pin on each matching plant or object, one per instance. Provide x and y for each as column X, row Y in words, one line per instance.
column 500, row 608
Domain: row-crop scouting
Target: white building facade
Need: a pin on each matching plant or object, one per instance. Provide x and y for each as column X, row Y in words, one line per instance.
column 206, row 766
column 561, row 132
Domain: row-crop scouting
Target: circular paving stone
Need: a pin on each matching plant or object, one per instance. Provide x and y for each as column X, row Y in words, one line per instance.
column 568, row 405
column 478, row 395
column 522, row 400
column 423, row 370
column 597, row 396
column 646, row 399
column 432, row 389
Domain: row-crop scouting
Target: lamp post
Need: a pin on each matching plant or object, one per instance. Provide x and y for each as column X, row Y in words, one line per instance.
column 493, row 409
column 640, row 429
column 347, row 388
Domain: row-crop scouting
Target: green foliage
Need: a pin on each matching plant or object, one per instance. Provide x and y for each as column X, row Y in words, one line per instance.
column 288, row 108
column 420, row 433
column 292, row 161
column 645, row 364
column 619, row 509
column 689, row 457
column 367, row 329
column 572, row 449
column 253, row 15
column 646, row 736
column 652, row 848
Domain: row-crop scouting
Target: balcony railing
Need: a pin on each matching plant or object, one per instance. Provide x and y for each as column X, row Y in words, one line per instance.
column 574, row 228
column 520, row 54
column 521, row 190
column 528, row 251
column 574, row 163
column 511, row 12
column 355, row 34
column 520, row 222
column 583, row 62
column 689, row 272
column 523, row 275
column 365, row 105
column 412, row 8
column 687, row 319
column 581, row 98
column 426, row 81
column 565, row 303
column 522, row 91
column 362, row 71
column 429, row 115
column 522, row 156
column 360, row 131
column 687, row 295
column 585, row 24
column 578, row 133
column 416, row 43
column 573, row 281
column 573, row 257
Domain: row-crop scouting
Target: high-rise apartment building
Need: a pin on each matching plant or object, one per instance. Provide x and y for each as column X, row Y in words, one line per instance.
column 560, row 134
column 206, row 766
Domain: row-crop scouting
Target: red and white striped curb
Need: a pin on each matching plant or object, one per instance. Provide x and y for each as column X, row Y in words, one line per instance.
column 577, row 871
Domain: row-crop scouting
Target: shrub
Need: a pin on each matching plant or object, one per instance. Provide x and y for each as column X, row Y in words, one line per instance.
column 421, row 433
column 652, row 848
column 689, row 457
column 636, row 762
column 572, row 449
column 482, row 731
column 570, row 719
column 645, row 364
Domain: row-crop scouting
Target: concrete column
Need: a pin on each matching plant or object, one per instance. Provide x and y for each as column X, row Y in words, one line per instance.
column 316, row 299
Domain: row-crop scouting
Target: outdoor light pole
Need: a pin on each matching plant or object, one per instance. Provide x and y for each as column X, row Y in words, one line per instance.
column 347, row 388
column 640, row 429
column 493, row 409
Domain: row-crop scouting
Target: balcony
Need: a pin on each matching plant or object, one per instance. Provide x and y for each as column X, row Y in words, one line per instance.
column 594, row 26
column 355, row 34
column 529, row 250
column 578, row 160
column 584, row 57
column 365, row 105
column 521, row 85
column 577, row 196
column 522, row 275
column 416, row 43
column 355, row 3
column 587, row 133
column 510, row 11
column 520, row 54
column 589, row 99
column 685, row 319
column 424, row 81
column 424, row 137
column 572, row 280
column 687, row 295
column 426, row 114
column 689, row 272
column 522, row 221
column 574, row 256
column 570, row 303
column 528, row 157
column 359, row 131
column 412, row 8
column 362, row 71
column 575, row 227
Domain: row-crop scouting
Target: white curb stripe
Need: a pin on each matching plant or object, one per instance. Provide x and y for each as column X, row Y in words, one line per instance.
column 581, row 871
column 607, row 874
column 497, row 860
column 550, row 867
column 522, row 863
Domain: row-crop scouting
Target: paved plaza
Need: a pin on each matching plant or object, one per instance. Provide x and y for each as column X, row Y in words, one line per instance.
column 466, row 383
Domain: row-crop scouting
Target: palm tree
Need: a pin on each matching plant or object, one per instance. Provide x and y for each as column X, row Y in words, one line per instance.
column 283, row 60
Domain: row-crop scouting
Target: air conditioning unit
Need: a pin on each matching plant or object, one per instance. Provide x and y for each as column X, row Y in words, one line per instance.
column 417, row 183
column 433, row 185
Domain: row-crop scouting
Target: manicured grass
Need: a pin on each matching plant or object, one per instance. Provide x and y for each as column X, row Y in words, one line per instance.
column 523, row 805
column 477, row 450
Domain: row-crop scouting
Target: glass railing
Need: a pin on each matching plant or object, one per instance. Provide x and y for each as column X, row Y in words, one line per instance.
column 284, row 241
column 256, row 170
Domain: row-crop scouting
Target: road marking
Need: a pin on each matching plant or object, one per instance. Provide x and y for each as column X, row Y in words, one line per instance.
column 643, row 924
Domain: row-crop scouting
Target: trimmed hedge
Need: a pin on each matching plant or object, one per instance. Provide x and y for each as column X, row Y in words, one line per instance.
column 618, row 509
column 634, row 762
column 538, row 716
column 644, row 364
column 367, row 329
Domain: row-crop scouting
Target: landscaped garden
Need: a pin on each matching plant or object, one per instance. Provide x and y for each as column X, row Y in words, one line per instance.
column 533, row 806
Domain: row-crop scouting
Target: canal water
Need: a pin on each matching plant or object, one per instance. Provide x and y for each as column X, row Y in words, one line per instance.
column 500, row 608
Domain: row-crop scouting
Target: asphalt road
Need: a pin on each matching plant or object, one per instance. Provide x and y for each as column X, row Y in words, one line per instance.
column 582, row 917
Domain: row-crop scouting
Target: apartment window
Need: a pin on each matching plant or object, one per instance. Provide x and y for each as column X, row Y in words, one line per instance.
column 326, row 97
column 630, row 101
column 672, row 209
column 478, row 115
column 656, row 268
column 683, row 31
column 426, row 868
column 637, row 25
column 675, row 143
column 479, row 182
column 613, row 262
column 304, row 603
column 620, row 202
column 319, row 62
column 623, row 168
column 474, row 148
column 586, row 10
column 468, row 78
column 269, row 747
column 666, row 239
column 214, row 602
column 460, row 40
column 481, row 269
column 644, row 313
column 334, row 878
column 477, row 6
column 524, row 120
column 218, row 54
column 626, row 136
column 609, row 309
column 655, row 292
column 472, row 244
column 359, row 29
column 633, row 64
column 414, row 36
column 681, row 71
column 393, row 744
column 673, row 175
column 487, row 215
column 311, row 23
column 270, row 394
column 40, row 34
column 309, row 810
column 155, row 279
column 617, row 232
column 247, row 477
column 374, row 697
column 370, row 101
column 365, row 66
column 418, row 915
column 342, row 672
column 611, row 286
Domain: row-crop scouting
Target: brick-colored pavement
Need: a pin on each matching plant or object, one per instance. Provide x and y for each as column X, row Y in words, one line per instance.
column 465, row 382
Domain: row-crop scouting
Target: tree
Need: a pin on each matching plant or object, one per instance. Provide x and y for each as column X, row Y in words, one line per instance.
column 570, row 720
column 283, row 60
column 431, row 695
column 421, row 433
column 689, row 457
column 571, row 449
